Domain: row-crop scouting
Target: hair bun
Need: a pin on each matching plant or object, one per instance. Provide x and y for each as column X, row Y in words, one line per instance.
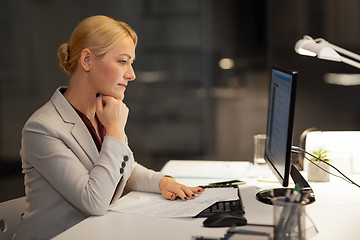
column 64, row 56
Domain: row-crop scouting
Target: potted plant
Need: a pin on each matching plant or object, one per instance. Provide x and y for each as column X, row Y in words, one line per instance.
column 315, row 173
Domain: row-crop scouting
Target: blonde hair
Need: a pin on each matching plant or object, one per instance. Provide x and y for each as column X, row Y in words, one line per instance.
column 97, row 33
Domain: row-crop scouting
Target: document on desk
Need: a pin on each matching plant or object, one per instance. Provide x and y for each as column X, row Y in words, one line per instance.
column 153, row 204
column 195, row 169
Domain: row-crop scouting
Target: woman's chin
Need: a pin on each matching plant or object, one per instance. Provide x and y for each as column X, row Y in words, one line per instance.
column 119, row 97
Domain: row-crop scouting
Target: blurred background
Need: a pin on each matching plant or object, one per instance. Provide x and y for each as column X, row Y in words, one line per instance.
column 202, row 72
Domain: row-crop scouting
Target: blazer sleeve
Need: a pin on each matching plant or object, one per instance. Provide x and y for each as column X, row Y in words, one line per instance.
column 143, row 179
column 90, row 191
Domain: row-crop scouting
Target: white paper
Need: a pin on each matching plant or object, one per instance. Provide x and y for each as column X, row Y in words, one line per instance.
column 195, row 169
column 153, row 204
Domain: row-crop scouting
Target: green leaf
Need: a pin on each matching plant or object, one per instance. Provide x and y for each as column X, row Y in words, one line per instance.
column 321, row 153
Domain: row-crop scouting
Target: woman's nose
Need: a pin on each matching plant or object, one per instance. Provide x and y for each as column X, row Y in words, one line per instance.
column 130, row 75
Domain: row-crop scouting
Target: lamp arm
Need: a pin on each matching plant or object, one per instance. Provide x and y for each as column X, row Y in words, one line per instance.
column 350, row 62
column 344, row 51
column 327, row 51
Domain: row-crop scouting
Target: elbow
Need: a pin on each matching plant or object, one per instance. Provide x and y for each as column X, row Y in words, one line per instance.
column 96, row 210
column 95, row 206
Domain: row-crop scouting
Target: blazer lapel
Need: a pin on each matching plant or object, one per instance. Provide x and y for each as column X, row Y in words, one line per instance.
column 83, row 137
column 79, row 131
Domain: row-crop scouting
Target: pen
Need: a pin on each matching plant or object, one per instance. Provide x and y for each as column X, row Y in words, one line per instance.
column 230, row 183
column 290, row 213
column 287, row 195
column 269, row 181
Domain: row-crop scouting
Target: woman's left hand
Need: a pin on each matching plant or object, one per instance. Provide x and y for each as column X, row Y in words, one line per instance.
column 170, row 189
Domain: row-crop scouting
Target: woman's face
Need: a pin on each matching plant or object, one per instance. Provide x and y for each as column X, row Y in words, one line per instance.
column 111, row 73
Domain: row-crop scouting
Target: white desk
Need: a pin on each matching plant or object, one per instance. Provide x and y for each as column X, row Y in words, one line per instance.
column 336, row 213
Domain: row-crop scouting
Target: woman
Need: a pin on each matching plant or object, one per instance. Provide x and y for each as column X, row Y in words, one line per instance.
column 75, row 156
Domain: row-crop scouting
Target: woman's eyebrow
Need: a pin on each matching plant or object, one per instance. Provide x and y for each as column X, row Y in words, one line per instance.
column 127, row 55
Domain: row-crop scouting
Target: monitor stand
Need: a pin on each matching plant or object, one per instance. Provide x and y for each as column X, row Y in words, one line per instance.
column 267, row 196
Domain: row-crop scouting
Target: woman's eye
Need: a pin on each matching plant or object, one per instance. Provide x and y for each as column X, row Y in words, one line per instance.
column 122, row 61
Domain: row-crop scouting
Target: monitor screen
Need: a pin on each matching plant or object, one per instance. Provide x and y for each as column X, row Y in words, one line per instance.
column 279, row 131
column 280, row 123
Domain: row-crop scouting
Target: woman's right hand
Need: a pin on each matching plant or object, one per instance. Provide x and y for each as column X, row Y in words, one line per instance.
column 112, row 114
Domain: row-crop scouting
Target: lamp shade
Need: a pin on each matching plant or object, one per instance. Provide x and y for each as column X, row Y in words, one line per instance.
column 310, row 47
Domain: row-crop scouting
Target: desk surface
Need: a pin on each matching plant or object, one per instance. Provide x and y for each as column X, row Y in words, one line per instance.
column 335, row 213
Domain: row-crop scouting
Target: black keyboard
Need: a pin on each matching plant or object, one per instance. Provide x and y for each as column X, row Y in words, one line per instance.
column 235, row 207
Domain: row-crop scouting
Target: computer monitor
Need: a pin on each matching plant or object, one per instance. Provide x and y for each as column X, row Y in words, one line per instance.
column 279, row 133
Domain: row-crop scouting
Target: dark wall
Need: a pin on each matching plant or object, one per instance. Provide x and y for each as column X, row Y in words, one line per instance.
column 182, row 104
column 318, row 104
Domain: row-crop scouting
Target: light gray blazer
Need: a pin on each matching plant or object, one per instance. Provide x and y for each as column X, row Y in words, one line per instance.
column 66, row 178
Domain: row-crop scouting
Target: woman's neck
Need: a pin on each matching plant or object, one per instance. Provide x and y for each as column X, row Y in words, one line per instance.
column 82, row 98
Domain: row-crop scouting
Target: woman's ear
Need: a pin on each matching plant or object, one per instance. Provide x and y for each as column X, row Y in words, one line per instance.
column 85, row 59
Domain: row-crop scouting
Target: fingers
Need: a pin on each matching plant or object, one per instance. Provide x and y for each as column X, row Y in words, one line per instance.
column 169, row 195
column 113, row 114
column 197, row 190
column 99, row 104
column 184, row 193
column 172, row 190
column 188, row 191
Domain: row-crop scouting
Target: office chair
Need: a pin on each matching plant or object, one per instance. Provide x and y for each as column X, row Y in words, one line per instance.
column 10, row 215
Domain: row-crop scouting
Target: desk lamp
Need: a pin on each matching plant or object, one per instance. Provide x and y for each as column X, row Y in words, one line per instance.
column 324, row 50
